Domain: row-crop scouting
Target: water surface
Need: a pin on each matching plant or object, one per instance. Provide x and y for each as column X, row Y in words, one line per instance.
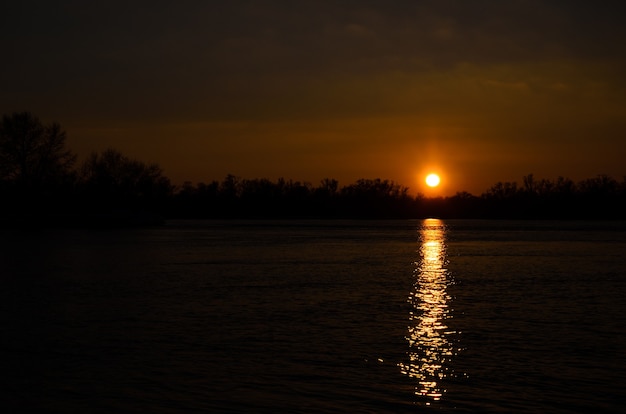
column 316, row 316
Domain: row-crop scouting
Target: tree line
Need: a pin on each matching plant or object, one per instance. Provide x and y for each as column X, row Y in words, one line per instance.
column 40, row 177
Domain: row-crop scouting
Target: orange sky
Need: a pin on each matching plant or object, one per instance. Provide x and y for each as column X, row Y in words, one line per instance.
column 480, row 93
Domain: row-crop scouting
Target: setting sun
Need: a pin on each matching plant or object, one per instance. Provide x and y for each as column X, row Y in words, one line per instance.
column 432, row 180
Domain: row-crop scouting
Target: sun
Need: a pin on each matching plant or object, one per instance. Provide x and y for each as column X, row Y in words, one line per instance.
column 432, row 180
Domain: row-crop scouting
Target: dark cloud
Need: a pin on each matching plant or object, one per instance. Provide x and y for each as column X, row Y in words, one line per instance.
column 226, row 51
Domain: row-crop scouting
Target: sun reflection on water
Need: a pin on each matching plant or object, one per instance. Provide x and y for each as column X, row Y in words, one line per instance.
column 431, row 342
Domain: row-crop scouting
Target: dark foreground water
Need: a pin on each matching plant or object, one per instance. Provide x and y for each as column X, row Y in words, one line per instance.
column 315, row 316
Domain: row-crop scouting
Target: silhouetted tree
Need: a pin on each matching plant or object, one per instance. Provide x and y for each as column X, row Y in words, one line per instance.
column 197, row 201
column 502, row 191
column 530, row 185
column 328, row 187
column 325, row 198
column 375, row 198
column 260, row 198
column 463, row 205
column 230, row 187
column 112, row 180
column 33, row 156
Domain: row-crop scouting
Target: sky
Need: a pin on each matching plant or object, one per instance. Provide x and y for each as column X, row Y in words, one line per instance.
column 478, row 91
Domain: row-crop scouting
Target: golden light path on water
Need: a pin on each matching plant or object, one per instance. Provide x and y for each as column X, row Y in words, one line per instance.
column 431, row 343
